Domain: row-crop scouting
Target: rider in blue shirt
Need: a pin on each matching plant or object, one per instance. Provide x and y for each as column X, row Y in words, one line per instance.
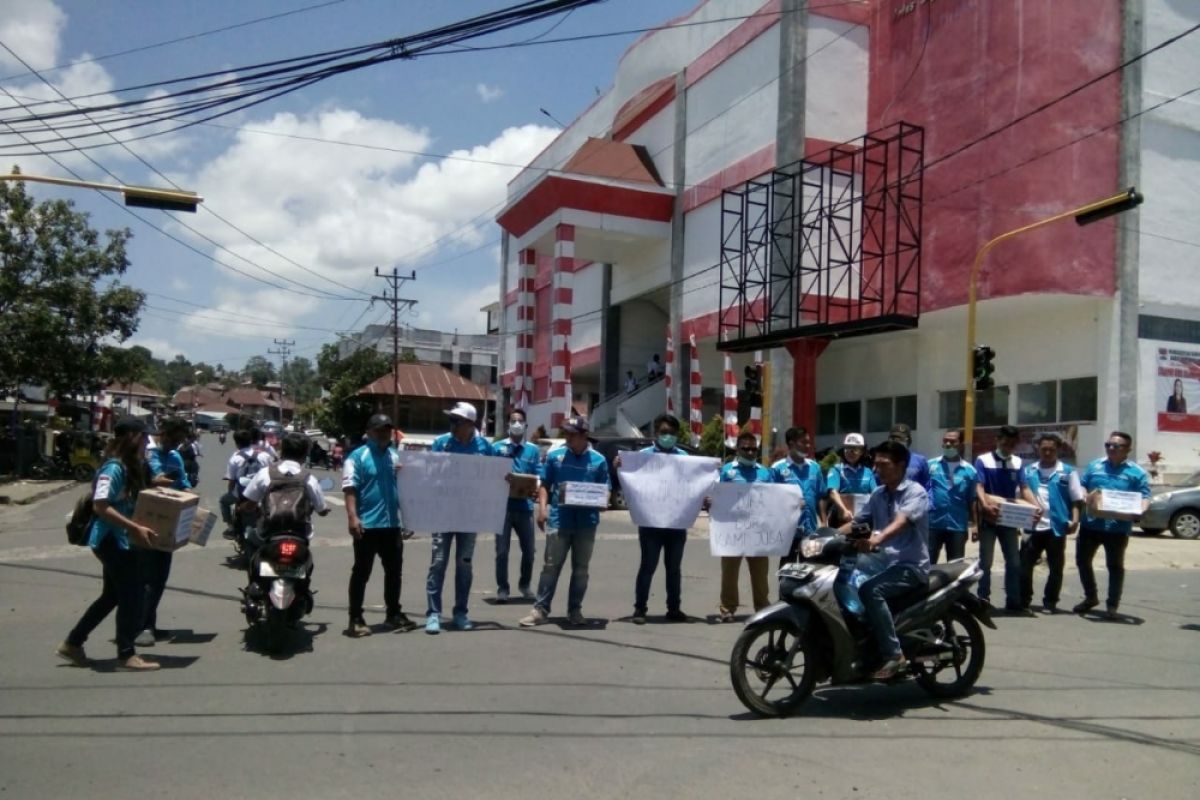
column 526, row 460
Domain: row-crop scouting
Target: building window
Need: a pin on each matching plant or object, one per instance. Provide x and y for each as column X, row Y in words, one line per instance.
column 950, row 409
column 849, row 417
column 879, row 414
column 884, row 412
column 991, row 408
column 1037, row 403
column 906, row 411
column 465, row 371
column 826, row 419
column 1078, row 397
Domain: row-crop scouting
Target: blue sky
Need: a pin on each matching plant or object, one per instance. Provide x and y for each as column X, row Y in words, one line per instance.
column 308, row 206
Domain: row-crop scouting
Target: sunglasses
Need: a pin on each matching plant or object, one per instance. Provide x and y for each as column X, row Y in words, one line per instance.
column 1115, row 446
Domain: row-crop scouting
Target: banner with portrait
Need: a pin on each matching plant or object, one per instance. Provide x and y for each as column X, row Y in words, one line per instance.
column 1177, row 398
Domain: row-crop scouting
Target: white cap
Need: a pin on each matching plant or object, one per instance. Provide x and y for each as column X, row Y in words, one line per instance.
column 854, row 440
column 464, row 410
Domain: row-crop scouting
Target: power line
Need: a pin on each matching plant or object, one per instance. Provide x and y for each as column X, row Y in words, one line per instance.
column 283, row 350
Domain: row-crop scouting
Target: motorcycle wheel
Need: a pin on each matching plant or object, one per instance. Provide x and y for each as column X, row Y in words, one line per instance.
column 954, row 677
column 276, row 630
column 772, row 669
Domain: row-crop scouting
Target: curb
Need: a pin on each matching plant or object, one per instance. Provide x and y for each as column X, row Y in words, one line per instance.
column 33, row 498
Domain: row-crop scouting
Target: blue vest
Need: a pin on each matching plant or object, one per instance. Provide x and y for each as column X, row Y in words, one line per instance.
column 1058, row 489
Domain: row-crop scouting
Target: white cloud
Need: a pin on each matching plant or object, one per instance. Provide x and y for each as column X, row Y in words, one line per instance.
column 449, row 308
column 31, row 28
column 243, row 315
column 179, row 284
column 488, row 94
column 160, row 348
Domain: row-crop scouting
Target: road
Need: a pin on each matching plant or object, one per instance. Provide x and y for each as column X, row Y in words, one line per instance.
column 1066, row 707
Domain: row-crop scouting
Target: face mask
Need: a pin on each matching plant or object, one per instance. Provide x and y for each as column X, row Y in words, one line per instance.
column 516, row 429
column 745, row 461
column 1002, row 452
column 798, row 456
column 667, row 441
column 950, row 452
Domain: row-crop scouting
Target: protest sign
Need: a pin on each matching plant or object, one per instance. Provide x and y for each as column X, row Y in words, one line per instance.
column 452, row 492
column 663, row 490
column 1016, row 515
column 584, row 493
column 754, row 519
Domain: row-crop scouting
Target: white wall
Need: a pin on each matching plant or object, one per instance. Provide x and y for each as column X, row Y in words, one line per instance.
column 585, row 329
column 643, row 333
column 701, row 250
column 657, row 135
column 649, row 269
column 835, row 100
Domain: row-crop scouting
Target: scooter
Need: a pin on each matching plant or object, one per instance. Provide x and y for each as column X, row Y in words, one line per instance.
column 812, row 636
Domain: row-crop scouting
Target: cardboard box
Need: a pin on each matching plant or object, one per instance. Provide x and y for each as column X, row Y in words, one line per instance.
column 167, row 512
column 522, row 486
column 1113, row 504
column 1014, row 513
column 202, row 525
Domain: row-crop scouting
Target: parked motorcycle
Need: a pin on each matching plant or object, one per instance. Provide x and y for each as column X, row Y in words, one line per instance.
column 811, row 636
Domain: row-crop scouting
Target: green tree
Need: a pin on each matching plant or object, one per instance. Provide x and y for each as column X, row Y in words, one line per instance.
column 60, row 299
column 259, row 370
column 300, row 380
column 712, row 437
column 344, row 412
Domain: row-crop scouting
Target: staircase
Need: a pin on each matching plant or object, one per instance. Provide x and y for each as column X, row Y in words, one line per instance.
column 630, row 414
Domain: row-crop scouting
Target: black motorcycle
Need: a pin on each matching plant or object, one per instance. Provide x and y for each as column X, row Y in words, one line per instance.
column 278, row 595
column 812, row 636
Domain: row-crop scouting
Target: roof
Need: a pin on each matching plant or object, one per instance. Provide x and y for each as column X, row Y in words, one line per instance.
column 232, row 400
column 139, row 389
column 426, row 380
column 604, row 158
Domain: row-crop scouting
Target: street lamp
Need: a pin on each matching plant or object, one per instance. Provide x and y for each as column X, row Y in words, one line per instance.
column 1084, row 215
column 136, row 196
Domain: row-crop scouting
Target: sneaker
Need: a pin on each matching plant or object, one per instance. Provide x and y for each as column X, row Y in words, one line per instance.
column 1087, row 605
column 228, row 534
column 145, row 638
column 536, row 617
column 891, row 668
column 638, row 618
column 1018, row 611
column 1110, row 613
column 576, row 618
column 501, row 596
column 357, row 629
column 675, row 615
column 400, row 622
column 462, row 622
column 433, row 624
column 72, row 653
column 136, row 663
column 526, row 594
column 1050, row 608
column 725, row 616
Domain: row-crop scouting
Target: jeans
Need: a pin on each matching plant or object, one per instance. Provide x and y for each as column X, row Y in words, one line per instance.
column 463, row 571
column 156, row 569
column 122, row 590
column 579, row 543
column 758, row 566
column 520, row 523
column 228, row 501
column 385, row 543
column 1114, row 545
column 955, row 543
column 1010, row 543
column 670, row 543
column 1055, row 548
column 896, row 580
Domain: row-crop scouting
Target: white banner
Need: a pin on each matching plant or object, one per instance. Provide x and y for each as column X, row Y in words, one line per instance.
column 663, row 490
column 754, row 519
column 442, row 492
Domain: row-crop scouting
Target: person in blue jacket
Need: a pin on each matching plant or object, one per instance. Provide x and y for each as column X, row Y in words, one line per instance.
column 113, row 535
column 744, row 469
column 1056, row 489
column 526, row 459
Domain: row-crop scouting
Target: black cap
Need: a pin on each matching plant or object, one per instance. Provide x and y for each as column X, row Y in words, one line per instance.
column 576, row 425
column 379, row 421
column 129, row 425
column 900, row 429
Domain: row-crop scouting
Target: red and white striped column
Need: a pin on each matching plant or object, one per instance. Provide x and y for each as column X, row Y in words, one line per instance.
column 523, row 382
column 731, row 405
column 669, row 373
column 697, row 417
column 756, row 411
column 563, row 299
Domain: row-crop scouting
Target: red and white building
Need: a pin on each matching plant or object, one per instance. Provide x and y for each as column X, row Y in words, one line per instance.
column 613, row 236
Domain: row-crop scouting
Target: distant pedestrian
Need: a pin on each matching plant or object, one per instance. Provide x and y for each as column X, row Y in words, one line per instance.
column 952, row 512
column 654, row 369
column 852, row 477
column 800, row 470
column 518, row 519
column 744, row 469
column 1116, row 472
column 1001, row 477
column 572, row 529
column 630, row 382
column 1056, row 488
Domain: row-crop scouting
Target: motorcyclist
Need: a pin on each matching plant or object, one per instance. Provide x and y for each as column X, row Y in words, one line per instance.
column 294, row 448
column 898, row 515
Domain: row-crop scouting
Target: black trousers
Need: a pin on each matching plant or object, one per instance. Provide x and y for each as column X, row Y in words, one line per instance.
column 955, row 543
column 1055, row 548
column 389, row 547
column 122, row 590
column 1114, row 545
column 156, row 569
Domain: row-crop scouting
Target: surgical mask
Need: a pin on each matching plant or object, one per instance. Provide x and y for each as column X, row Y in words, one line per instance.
column 950, row 452
column 666, row 441
column 798, row 456
column 516, row 429
column 745, row 461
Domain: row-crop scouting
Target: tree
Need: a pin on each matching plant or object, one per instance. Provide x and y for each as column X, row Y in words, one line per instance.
column 59, row 294
column 344, row 412
column 712, row 437
column 259, row 370
column 300, row 380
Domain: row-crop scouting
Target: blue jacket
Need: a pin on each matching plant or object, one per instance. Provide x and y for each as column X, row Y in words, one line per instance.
column 370, row 471
column 1125, row 477
column 733, row 472
column 446, row 443
column 564, row 466
column 811, row 480
column 952, row 495
column 1058, row 491
column 111, row 486
column 526, row 459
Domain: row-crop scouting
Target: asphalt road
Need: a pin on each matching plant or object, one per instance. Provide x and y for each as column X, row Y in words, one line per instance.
column 1066, row 707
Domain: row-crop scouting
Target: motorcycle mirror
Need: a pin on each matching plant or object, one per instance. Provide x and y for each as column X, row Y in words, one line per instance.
column 326, row 484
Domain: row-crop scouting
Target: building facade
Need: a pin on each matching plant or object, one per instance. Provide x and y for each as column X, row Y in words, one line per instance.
column 618, row 236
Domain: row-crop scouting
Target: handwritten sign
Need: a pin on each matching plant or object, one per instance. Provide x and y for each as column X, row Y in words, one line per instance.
column 666, row 491
column 452, row 492
column 753, row 519
column 1016, row 515
column 1114, row 504
column 584, row 493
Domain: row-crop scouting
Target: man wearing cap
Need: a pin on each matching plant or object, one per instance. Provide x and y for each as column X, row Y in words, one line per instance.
column 918, row 465
column 800, row 470
column 850, row 479
column 373, row 519
column 463, row 439
column 572, row 528
column 952, row 499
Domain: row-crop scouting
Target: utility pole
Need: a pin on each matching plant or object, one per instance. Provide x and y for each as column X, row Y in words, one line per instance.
column 283, row 351
column 397, row 303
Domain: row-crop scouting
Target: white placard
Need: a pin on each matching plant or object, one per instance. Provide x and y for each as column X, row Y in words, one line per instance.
column 442, row 492
column 1117, row 502
column 753, row 519
column 664, row 490
column 583, row 493
column 1016, row 515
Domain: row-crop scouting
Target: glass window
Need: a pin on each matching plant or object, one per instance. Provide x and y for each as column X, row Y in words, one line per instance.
column 950, row 409
column 1037, row 403
column 991, row 407
column 826, row 419
column 849, row 417
column 1078, row 400
column 879, row 414
column 906, row 410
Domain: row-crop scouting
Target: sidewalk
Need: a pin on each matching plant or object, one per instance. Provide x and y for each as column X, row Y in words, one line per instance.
column 30, row 491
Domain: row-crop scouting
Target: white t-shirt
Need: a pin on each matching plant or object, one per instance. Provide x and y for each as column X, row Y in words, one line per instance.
column 236, row 460
column 1074, row 489
column 256, row 490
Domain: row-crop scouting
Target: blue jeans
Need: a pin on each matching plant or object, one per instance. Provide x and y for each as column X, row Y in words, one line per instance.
column 1010, row 547
column 670, row 543
column 896, row 580
column 578, row 542
column 228, row 501
column 520, row 523
column 463, row 571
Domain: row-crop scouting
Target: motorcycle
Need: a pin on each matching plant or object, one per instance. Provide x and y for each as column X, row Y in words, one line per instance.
column 812, row 635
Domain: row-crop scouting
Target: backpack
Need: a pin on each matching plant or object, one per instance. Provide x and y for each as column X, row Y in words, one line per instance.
column 286, row 507
column 249, row 468
column 79, row 524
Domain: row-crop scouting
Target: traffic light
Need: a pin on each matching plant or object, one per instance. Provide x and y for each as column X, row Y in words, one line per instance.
column 983, row 367
column 753, row 385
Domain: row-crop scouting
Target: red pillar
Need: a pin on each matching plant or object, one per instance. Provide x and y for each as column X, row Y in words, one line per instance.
column 805, row 353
